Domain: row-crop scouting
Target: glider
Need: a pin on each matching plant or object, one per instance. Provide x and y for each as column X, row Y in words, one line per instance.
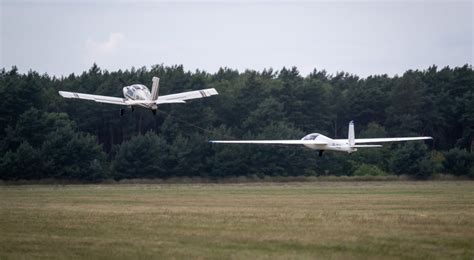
column 140, row 95
column 321, row 143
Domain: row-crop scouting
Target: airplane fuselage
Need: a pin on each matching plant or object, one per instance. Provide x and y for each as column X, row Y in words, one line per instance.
column 139, row 92
column 332, row 145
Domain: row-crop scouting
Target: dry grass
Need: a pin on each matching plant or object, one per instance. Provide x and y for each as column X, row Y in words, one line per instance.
column 298, row 220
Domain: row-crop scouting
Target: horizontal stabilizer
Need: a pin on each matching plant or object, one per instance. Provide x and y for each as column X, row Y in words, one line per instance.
column 169, row 102
column 366, row 145
column 139, row 102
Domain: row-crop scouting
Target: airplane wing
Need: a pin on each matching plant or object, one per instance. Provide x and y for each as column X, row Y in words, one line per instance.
column 386, row 140
column 182, row 97
column 268, row 142
column 104, row 99
column 96, row 98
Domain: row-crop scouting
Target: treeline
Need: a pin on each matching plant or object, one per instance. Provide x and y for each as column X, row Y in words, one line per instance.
column 46, row 136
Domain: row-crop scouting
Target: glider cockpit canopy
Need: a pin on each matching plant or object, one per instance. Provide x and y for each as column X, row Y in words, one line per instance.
column 311, row 136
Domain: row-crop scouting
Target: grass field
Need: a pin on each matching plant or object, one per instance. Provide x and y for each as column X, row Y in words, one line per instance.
column 335, row 220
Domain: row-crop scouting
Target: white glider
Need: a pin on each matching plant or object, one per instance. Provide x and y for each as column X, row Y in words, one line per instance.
column 321, row 143
column 139, row 95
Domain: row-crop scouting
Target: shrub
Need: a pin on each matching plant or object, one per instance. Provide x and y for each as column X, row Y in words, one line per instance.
column 143, row 156
column 368, row 169
column 471, row 172
column 407, row 158
column 458, row 161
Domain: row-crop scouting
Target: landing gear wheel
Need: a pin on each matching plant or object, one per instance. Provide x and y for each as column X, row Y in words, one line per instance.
column 133, row 109
column 321, row 153
column 154, row 112
column 122, row 111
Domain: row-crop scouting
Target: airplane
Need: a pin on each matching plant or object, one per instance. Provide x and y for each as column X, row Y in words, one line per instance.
column 140, row 95
column 321, row 143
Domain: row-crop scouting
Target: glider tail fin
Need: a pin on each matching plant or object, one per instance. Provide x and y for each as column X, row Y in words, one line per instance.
column 351, row 135
column 155, row 87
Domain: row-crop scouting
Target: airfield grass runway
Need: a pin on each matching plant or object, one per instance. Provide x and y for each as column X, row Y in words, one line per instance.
column 297, row 220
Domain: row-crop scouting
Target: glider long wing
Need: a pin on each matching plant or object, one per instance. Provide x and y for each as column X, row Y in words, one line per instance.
column 182, row 97
column 386, row 140
column 268, row 142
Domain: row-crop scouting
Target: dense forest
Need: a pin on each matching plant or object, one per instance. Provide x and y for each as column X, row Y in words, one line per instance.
column 46, row 136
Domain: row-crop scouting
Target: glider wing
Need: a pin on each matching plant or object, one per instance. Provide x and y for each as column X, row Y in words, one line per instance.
column 268, row 142
column 386, row 140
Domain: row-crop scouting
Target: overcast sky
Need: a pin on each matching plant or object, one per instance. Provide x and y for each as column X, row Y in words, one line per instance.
column 364, row 38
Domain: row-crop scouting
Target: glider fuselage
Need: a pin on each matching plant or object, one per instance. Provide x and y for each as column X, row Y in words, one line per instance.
column 332, row 144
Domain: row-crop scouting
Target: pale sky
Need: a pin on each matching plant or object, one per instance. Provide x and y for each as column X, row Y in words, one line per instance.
column 364, row 38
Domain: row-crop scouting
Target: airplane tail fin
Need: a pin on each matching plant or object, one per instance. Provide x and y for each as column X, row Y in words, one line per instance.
column 155, row 87
column 351, row 135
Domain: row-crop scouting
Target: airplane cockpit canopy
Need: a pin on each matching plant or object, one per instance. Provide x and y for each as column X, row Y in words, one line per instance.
column 138, row 86
column 311, row 137
column 129, row 92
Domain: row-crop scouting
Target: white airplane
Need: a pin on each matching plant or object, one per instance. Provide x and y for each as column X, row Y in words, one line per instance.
column 321, row 143
column 139, row 95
